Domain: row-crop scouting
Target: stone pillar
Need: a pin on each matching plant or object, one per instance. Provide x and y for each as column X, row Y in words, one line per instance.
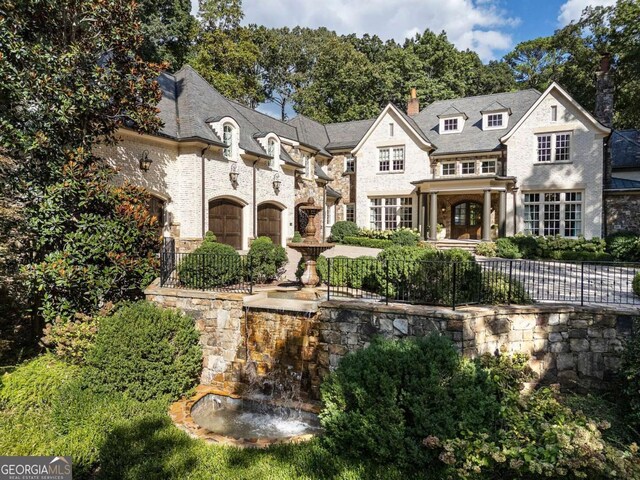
column 486, row 216
column 502, row 214
column 433, row 217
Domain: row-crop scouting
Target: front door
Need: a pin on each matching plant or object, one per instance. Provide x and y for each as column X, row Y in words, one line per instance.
column 270, row 222
column 466, row 220
column 225, row 221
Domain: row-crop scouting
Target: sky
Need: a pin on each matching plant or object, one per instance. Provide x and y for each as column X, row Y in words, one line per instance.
column 489, row 27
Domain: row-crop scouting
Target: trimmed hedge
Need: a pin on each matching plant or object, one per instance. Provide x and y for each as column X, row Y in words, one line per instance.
column 551, row 248
column 636, row 284
column 487, row 249
column 343, row 229
column 497, row 291
column 210, row 265
column 146, row 351
column 367, row 242
column 266, row 259
column 624, row 246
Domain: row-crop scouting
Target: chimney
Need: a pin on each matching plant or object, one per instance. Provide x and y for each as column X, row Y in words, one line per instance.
column 413, row 105
column 604, row 92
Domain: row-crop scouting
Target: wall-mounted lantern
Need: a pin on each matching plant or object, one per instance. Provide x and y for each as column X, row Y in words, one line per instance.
column 233, row 175
column 145, row 161
column 276, row 184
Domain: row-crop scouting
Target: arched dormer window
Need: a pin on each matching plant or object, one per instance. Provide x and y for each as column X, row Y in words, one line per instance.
column 228, row 139
column 272, row 151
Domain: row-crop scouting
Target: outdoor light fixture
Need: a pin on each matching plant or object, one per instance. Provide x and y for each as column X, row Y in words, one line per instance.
column 145, row 161
column 276, row 183
column 233, row 175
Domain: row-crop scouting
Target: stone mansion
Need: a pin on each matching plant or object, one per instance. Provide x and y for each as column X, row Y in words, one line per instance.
column 465, row 168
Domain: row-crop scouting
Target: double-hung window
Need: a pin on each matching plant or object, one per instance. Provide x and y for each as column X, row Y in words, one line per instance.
column 448, row 169
column 227, row 138
column 271, row 151
column 391, row 213
column 553, row 213
column 554, row 147
column 468, row 168
column 494, row 120
column 350, row 212
column 391, row 159
column 349, row 164
column 488, row 166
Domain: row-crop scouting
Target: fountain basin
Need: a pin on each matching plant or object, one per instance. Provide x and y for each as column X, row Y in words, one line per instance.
column 248, row 423
column 302, row 300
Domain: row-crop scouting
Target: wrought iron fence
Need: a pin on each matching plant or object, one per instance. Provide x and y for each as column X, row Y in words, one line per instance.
column 205, row 271
column 437, row 282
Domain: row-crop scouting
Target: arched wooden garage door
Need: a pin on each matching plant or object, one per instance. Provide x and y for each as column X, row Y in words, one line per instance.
column 225, row 221
column 270, row 222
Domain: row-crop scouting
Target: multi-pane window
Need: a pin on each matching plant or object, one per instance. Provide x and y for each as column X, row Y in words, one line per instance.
column 553, row 213
column 271, row 151
column 450, row 124
column 494, row 120
column 398, row 159
column 391, row 159
column 350, row 212
column 384, row 163
column 306, row 161
column 391, row 213
column 554, row 147
column 448, row 169
column 488, row 166
column 468, row 168
column 349, row 164
column 227, row 138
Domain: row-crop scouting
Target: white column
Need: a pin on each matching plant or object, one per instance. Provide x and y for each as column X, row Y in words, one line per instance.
column 486, row 216
column 433, row 216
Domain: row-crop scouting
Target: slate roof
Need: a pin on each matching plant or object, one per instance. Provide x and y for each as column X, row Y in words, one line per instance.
column 321, row 174
column 473, row 138
column 623, row 184
column 345, row 135
column 333, row 193
column 311, row 133
column 625, row 149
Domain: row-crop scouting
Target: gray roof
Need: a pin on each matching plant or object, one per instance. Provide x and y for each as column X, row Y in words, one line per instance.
column 311, row 133
column 333, row 193
column 473, row 138
column 346, row 135
column 623, row 184
column 286, row 158
column 625, row 148
column 321, row 174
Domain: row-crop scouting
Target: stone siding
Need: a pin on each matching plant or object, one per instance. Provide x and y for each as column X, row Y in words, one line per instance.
column 622, row 212
column 572, row 345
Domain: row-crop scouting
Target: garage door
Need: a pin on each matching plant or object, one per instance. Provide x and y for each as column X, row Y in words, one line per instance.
column 225, row 221
column 270, row 222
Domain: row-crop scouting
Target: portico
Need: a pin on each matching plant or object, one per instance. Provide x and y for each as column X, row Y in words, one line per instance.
column 466, row 207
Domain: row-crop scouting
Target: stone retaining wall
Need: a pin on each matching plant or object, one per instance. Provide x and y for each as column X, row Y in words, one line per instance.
column 573, row 345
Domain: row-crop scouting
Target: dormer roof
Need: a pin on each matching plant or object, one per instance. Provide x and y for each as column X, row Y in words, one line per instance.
column 451, row 112
column 495, row 106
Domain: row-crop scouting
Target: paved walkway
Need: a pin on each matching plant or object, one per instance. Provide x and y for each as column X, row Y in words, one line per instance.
column 339, row 250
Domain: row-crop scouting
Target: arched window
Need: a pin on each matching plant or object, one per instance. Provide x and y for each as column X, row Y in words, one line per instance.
column 271, row 151
column 227, row 138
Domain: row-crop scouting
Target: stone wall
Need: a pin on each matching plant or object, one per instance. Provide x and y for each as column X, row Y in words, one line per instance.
column 577, row 346
column 622, row 212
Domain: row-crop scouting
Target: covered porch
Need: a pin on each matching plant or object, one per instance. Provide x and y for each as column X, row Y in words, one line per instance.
column 465, row 208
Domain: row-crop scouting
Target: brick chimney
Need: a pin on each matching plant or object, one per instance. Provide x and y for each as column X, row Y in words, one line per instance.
column 604, row 92
column 413, row 105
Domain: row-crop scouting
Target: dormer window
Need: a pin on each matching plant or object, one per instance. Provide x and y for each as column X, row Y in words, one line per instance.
column 494, row 120
column 227, row 138
column 451, row 125
column 495, row 116
column 451, row 120
column 272, row 151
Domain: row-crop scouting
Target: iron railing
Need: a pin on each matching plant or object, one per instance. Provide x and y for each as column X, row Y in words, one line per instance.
column 437, row 282
column 205, row 271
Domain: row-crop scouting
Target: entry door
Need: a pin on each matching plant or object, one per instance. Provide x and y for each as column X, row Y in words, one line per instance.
column 225, row 221
column 270, row 222
column 466, row 220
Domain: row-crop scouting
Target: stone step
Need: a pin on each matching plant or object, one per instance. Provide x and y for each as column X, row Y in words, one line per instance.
column 449, row 244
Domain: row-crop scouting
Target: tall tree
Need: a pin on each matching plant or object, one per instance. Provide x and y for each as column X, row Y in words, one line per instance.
column 167, row 27
column 225, row 53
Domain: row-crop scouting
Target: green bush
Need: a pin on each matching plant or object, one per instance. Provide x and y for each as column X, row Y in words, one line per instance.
column 635, row 284
column 297, row 238
column 486, row 249
column 367, row 242
column 497, row 290
column 630, row 370
column 383, row 400
column 505, row 248
column 624, row 246
column 321, row 268
column 359, row 273
column 212, row 264
column 405, row 237
column 584, row 256
column 146, row 351
column 266, row 260
column 342, row 229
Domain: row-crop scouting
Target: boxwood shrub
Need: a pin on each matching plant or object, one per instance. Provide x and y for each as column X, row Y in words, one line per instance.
column 146, row 351
column 212, row 264
column 367, row 242
column 266, row 260
column 636, row 284
column 624, row 246
column 342, row 229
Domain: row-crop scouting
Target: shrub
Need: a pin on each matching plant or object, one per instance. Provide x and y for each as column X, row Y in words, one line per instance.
column 367, row 242
column 357, row 272
column 266, row 259
column 146, row 351
column 342, row 229
column 297, row 238
column 212, row 264
column 505, row 248
column 486, row 249
column 584, row 256
column 496, row 289
column 35, row 384
column 321, row 268
column 383, row 400
column 630, row 372
column 635, row 284
column 405, row 237
column 624, row 246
